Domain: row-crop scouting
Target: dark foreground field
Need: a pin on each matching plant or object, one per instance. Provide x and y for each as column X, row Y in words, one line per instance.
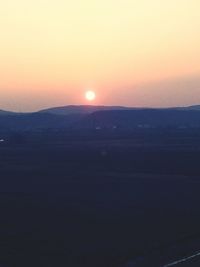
column 99, row 201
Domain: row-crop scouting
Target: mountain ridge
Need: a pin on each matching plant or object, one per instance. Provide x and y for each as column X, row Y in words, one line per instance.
column 87, row 109
column 83, row 109
column 102, row 119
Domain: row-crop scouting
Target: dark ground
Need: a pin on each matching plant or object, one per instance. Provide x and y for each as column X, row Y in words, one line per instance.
column 97, row 199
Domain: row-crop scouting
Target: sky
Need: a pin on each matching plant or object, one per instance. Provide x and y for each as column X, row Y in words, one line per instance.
column 130, row 52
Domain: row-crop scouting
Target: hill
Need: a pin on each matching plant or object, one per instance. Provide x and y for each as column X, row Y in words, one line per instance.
column 99, row 117
column 4, row 112
column 36, row 121
column 144, row 118
column 82, row 109
column 195, row 107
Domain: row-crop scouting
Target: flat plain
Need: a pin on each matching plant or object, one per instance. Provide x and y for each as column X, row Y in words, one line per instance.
column 99, row 199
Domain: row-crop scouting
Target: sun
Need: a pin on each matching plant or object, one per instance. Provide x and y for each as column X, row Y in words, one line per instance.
column 90, row 95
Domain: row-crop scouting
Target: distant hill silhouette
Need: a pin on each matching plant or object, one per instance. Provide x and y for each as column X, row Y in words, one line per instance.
column 144, row 118
column 99, row 117
column 82, row 109
column 36, row 121
column 196, row 107
column 4, row 112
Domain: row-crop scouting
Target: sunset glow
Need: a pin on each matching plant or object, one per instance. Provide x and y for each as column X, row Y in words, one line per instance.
column 138, row 53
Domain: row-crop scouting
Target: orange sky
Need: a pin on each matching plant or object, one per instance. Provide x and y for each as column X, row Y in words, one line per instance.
column 135, row 53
